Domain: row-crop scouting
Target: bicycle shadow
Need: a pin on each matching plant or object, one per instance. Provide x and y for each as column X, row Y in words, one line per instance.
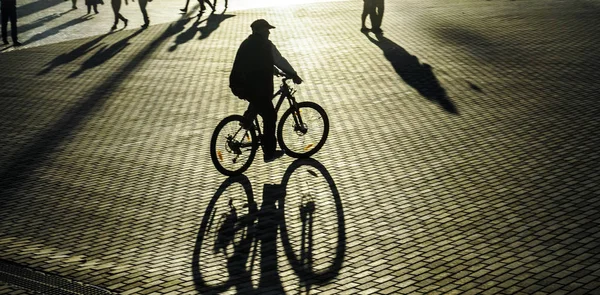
column 232, row 242
column 418, row 75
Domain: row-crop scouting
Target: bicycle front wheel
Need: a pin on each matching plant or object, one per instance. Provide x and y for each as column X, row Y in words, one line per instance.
column 232, row 147
column 302, row 131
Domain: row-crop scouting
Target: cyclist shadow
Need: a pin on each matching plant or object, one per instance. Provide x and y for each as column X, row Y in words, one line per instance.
column 418, row 75
column 241, row 241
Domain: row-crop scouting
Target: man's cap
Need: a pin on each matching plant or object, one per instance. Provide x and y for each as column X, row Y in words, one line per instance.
column 261, row 24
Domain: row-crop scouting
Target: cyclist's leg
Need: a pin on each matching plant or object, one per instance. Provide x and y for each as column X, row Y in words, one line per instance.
column 267, row 111
column 250, row 114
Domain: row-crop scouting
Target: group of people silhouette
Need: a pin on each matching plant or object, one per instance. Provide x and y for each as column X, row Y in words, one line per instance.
column 8, row 9
column 116, row 7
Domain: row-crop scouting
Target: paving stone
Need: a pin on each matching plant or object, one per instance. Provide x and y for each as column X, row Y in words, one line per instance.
column 462, row 148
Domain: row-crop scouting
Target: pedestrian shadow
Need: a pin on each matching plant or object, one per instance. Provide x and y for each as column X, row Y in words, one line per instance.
column 418, row 75
column 19, row 167
column 35, row 6
column 236, row 247
column 187, row 35
column 104, row 54
column 57, row 29
column 40, row 22
column 212, row 24
column 74, row 54
column 475, row 87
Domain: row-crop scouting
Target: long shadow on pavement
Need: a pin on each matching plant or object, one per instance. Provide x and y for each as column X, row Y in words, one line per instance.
column 35, row 6
column 41, row 22
column 57, row 29
column 235, row 234
column 20, row 166
column 187, row 35
column 212, row 24
column 72, row 55
column 417, row 75
column 104, row 54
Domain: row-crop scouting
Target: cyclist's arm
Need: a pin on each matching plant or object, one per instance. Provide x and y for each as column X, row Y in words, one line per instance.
column 282, row 63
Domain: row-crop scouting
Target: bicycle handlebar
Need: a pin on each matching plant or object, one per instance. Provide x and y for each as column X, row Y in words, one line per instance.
column 286, row 77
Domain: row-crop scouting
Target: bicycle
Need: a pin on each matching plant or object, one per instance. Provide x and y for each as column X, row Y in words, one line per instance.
column 301, row 132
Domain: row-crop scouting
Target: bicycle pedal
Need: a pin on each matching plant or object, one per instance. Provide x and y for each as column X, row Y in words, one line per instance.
column 247, row 126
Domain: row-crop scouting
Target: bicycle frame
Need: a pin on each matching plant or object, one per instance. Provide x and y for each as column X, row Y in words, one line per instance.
column 284, row 92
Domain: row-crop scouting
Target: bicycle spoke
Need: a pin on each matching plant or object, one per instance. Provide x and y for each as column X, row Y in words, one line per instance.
column 232, row 147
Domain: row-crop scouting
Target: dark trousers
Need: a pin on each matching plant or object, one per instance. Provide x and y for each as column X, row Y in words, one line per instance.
column 215, row 3
column 377, row 14
column 143, row 4
column 9, row 13
column 203, row 7
column 266, row 110
column 116, row 7
column 95, row 6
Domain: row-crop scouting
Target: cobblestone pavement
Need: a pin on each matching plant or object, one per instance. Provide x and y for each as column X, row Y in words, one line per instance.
column 462, row 156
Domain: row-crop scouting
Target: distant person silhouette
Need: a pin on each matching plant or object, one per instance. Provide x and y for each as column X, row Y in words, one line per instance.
column 74, row 4
column 9, row 12
column 202, row 6
column 215, row 4
column 251, row 79
column 116, row 7
column 374, row 9
column 143, row 4
column 92, row 4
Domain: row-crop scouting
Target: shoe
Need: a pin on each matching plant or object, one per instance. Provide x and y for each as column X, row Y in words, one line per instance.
column 5, row 42
column 364, row 29
column 248, row 125
column 113, row 28
column 377, row 30
column 183, row 10
column 144, row 26
column 17, row 43
column 125, row 21
column 274, row 156
column 74, row 7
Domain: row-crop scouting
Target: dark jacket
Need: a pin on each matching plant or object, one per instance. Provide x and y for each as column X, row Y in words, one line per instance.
column 8, row 4
column 251, row 77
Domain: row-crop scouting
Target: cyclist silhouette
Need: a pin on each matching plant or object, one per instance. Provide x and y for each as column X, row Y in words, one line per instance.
column 251, row 79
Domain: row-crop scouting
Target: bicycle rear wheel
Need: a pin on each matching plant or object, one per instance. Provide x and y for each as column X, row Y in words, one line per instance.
column 302, row 131
column 232, row 147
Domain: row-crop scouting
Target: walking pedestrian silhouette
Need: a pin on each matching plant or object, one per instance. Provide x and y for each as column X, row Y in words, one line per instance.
column 373, row 9
column 116, row 7
column 8, row 9
column 418, row 75
column 143, row 4
column 92, row 4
